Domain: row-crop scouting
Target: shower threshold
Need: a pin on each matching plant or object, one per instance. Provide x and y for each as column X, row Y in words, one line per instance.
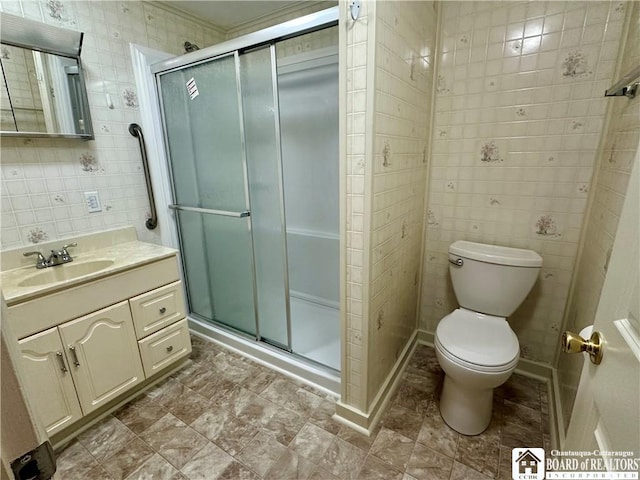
column 290, row 364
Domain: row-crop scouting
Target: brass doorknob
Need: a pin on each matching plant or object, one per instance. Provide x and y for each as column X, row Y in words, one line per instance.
column 574, row 343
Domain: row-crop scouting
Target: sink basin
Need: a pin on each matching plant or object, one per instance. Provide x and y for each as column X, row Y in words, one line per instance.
column 65, row 272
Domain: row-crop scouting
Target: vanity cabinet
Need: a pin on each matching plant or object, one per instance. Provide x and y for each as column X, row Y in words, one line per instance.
column 77, row 367
column 90, row 346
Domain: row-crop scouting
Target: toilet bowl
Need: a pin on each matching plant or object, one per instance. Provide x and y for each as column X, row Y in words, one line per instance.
column 475, row 346
column 477, row 353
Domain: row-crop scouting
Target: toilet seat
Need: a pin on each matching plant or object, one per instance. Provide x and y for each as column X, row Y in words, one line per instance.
column 478, row 341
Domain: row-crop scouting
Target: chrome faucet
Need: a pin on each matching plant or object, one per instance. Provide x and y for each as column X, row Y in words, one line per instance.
column 57, row 257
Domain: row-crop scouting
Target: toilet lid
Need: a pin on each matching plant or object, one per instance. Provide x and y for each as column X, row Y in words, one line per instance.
column 477, row 338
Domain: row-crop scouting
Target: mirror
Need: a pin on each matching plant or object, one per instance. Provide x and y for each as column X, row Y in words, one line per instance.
column 43, row 91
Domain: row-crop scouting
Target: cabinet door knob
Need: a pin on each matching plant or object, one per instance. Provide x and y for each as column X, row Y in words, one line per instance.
column 170, row 348
column 163, row 309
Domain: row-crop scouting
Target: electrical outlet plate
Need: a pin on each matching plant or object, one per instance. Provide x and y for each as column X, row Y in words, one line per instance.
column 93, row 202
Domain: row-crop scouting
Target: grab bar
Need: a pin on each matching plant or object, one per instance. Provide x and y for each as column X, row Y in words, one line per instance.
column 209, row 211
column 136, row 131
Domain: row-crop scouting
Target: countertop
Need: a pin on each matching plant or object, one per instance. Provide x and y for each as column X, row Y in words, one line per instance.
column 125, row 256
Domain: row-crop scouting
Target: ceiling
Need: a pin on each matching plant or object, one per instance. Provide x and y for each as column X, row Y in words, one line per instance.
column 229, row 14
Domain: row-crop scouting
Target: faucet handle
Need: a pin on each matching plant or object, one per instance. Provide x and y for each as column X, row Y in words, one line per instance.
column 41, row 262
column 74, row 244
column 65, row 253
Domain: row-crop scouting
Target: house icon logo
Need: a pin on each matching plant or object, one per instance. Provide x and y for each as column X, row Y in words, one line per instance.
column 527, row 464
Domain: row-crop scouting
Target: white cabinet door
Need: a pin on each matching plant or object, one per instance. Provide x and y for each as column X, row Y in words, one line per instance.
column 48, row 380
column 103, row 352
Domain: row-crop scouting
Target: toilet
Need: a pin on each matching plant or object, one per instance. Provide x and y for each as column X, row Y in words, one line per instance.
column 474, row 344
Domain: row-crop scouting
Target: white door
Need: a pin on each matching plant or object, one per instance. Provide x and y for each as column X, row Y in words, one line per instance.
column 47, row 380
column 606, row 414
column 103, row 353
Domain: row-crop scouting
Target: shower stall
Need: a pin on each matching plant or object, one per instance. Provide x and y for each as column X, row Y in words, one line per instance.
column 251, row 139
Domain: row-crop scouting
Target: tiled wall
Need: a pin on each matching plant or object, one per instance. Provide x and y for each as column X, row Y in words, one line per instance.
column 358, row 37
column 609, row 189
column 43, row 180
column 405, row 43
column 389, row 82
column 519, row 112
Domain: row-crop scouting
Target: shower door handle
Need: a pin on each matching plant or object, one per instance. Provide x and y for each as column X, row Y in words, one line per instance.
column 208, row 211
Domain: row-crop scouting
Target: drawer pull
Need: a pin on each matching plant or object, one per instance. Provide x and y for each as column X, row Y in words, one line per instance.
column 170, row 348
column 163, row 309
column 76, row 362
column 63, row 367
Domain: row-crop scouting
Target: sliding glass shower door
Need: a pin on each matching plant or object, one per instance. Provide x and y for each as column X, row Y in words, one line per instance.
column 209, row 189
column 221, row 129
column 262, row 141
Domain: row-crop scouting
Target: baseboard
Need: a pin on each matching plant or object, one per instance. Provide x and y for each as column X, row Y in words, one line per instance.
column 539, row 371
column 366, row 422
column 426, row 338
column 352, row 418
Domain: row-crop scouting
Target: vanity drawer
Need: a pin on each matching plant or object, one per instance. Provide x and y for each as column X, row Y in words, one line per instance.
column 156, row 309
column 164, row 347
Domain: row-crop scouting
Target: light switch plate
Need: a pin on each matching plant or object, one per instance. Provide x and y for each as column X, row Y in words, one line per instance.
column 93, row 202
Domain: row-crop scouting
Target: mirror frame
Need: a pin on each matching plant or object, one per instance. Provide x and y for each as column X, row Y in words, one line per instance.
column 28, row 34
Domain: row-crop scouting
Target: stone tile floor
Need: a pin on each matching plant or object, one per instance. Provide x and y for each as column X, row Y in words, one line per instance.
column 225, row 417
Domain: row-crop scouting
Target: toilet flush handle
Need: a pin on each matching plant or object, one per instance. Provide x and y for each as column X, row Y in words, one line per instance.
column 458, row 262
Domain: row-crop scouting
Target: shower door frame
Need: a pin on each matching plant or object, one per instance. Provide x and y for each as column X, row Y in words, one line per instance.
column 265, row 38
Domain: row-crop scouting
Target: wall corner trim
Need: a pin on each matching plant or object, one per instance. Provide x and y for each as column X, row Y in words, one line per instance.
column 366, row 422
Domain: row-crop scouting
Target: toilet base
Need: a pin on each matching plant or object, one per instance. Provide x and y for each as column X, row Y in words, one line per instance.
column 467, row 411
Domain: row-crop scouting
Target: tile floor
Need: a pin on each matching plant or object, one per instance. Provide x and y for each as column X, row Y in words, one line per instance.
column 224, row 417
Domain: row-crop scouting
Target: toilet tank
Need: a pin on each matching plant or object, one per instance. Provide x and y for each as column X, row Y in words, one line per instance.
column 492, row 279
